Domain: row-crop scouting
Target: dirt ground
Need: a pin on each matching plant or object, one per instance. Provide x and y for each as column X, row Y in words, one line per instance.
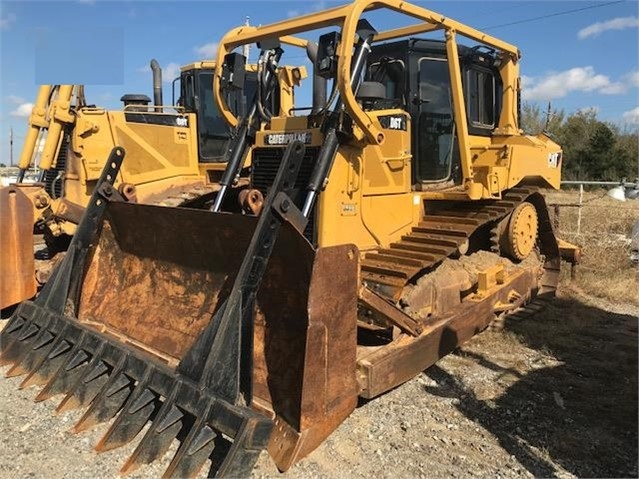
column 552, row 395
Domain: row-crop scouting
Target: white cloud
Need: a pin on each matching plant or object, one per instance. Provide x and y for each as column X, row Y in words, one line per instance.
column 23, row 110
column 615, row 88
column 170, row 72
column 321, row 5
column 632, row 79
column 526, row 81
column 560, row 84
column 6, row 22
column 614, row 24
column 208, row 50
column 16, row 100
column 314, row 7
column 632, row 116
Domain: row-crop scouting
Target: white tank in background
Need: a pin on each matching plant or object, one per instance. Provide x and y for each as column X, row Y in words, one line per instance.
column 632, row 193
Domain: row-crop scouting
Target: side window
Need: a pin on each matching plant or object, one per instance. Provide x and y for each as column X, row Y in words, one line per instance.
column 188, row 93
column 480, row 98
column 390, row 72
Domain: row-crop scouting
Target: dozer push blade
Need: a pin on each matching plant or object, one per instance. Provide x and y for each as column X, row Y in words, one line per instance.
column 17, row 264
column 231, row 332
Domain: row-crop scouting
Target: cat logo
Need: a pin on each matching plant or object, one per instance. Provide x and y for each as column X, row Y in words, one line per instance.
column 286, row 138
column 554, row 159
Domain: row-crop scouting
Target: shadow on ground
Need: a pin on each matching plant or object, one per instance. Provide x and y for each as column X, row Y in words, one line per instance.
column 582, row 413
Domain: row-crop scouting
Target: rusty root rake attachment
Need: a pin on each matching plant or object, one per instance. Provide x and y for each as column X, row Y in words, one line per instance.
column 202, row 398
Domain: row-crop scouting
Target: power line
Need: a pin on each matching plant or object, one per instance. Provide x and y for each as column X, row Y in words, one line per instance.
column 556, row 14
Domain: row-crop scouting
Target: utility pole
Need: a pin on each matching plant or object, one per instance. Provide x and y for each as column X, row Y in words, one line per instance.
column 548, row 116
column 11, row 146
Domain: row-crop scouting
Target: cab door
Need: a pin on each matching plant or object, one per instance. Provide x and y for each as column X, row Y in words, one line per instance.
column 435, row 128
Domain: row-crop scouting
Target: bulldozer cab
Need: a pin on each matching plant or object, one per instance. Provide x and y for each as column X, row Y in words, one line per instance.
column 416, row 78
column 196, row 96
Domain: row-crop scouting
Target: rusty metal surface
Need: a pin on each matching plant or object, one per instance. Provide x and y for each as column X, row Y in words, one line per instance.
column 158, row 274
column 569, row 252
column 400, row 360
column 390, row 312
column 17, row 265
column 305, row 344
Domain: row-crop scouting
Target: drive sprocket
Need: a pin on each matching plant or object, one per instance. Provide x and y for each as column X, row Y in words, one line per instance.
column 519, row 237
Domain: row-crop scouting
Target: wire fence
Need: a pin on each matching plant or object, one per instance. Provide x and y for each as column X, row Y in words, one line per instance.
column 562, row 212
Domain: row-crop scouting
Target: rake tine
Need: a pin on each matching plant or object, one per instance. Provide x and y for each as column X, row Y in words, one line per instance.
column 195, row 449
column 36, row 373
column 135, row 413
column 15, row 323
column 63, row 368
column 87, row 387
column 13, row 348
column 14, row 329
column 31, row 354
column 250, row 440
column 109, row 401
column 158, row 438
column 34, row 336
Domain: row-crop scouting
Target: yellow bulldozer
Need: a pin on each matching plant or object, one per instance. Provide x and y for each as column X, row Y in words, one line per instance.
column 385, row 226
column 176, row 158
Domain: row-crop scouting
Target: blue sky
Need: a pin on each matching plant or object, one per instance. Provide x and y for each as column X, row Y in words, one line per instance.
column 578, row 55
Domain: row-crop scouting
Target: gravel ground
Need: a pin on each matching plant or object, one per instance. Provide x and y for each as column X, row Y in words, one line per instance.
column 551, row 395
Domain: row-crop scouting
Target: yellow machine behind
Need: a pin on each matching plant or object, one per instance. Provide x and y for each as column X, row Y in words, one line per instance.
column 377, row 230
column 176, row 157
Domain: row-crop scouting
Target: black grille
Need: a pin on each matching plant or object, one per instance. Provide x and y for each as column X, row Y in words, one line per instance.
column 54, row 185
column 265, row 163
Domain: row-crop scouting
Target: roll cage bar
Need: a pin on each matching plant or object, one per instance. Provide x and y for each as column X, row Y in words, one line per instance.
column 346, row 17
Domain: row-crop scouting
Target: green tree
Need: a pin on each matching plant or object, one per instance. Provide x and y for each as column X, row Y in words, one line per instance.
column 593, row 149
column 533, row 120
column 628, row 144
column 599, row 159
column 574, row 136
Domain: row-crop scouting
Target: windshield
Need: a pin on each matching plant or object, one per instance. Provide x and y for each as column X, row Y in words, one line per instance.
column 213, row 132
column 212, row 129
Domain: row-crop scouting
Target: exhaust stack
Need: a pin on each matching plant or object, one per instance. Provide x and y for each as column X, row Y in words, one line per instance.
column 157, row 82
column 319, row 83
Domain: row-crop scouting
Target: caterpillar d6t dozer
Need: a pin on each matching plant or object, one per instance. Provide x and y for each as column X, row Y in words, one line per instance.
column 176, row 158
column 394, row 221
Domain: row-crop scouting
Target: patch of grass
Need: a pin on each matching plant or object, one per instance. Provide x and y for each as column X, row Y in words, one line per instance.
column 603, row 230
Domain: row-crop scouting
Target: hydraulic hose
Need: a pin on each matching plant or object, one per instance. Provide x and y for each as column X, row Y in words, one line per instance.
column 244, row 135
column 326, row 155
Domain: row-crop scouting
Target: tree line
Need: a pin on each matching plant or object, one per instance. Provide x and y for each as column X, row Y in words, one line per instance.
column 593, row 149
